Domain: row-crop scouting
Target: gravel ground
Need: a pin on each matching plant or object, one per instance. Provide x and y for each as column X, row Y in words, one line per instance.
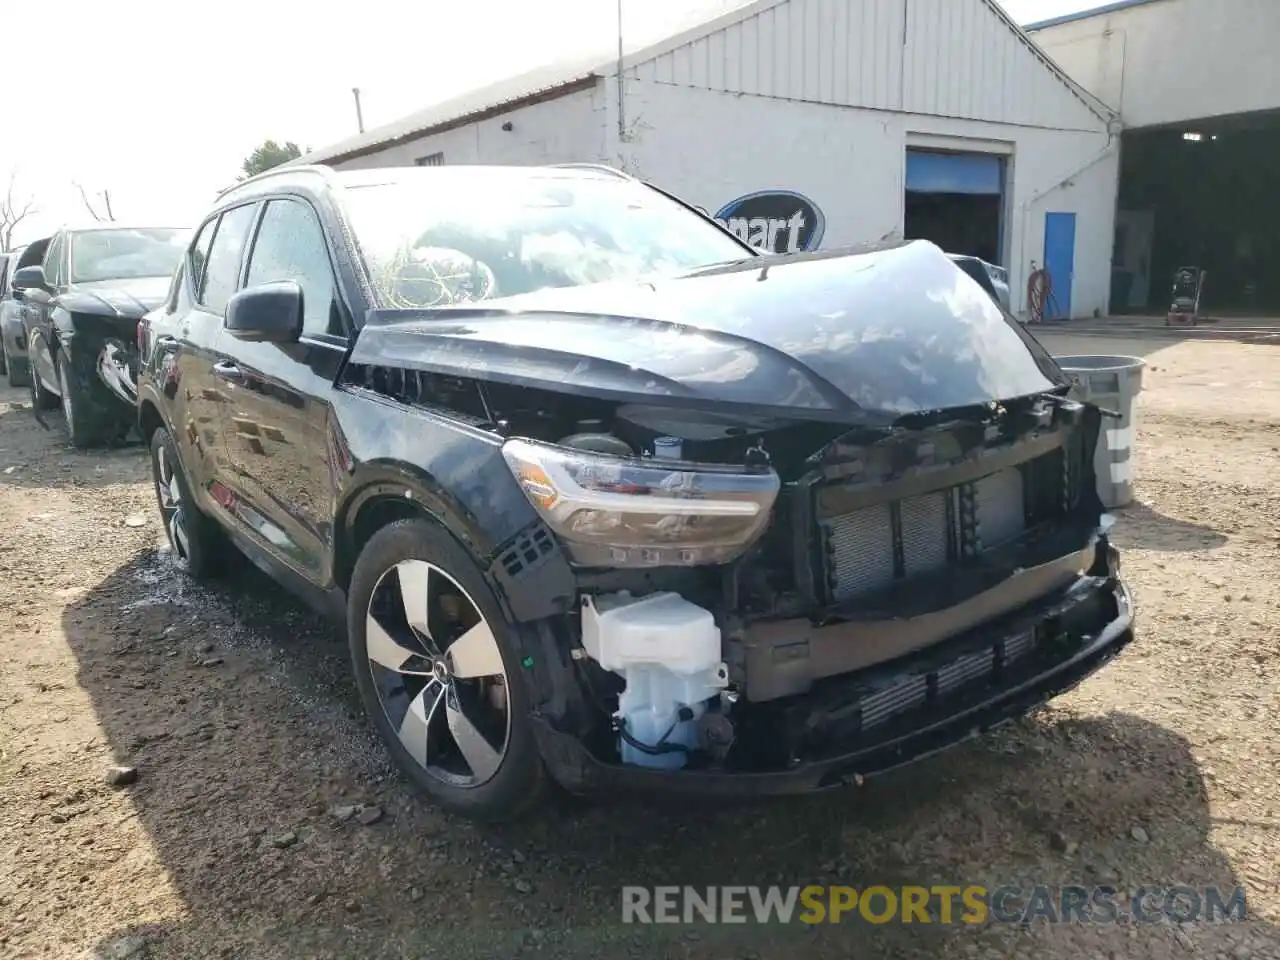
column 235, row 708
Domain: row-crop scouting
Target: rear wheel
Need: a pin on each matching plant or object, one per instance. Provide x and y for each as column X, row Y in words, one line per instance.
column 197, row 544
column 436, row 668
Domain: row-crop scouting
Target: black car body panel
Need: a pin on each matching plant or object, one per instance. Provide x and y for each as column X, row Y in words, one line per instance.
column 104, row 316
column 937, row 558
column 776, row 337
column 124, row 300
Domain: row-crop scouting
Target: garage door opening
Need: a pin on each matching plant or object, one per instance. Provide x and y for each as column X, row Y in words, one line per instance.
column 1200, row 195
column 956, row 200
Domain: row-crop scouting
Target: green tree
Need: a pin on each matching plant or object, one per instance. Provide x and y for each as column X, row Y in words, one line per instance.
column 269, row 154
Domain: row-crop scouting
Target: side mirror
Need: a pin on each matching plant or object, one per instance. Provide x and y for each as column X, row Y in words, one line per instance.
column 266, row 313
column 30, row 278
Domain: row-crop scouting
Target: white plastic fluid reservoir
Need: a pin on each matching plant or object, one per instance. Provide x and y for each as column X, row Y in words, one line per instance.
column 668, row 652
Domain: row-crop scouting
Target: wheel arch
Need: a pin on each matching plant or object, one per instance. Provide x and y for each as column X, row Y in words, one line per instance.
column 387, row 492
column 539, row 583
column 149, row 418
column 62, row 329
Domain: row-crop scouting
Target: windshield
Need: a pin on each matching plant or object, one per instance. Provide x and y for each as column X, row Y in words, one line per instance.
column 437, row 237
column 122, row 254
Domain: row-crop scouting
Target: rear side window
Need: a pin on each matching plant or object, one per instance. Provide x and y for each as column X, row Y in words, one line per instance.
column 199, row 255
column 222, row 266
column 53, row 261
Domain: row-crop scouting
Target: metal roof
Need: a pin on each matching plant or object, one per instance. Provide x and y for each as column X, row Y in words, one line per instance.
column 555, row 80
column 1086, row 14
column 543, row 83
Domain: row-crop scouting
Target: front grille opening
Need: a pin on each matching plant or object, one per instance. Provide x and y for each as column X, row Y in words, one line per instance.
column 890, row 701
column 913, row 692
column 870, row 549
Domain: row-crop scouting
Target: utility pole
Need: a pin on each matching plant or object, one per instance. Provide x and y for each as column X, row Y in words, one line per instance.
column 622, row 122
column 355, row 92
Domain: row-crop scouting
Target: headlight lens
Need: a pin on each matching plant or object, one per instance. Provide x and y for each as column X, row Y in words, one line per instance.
column 614, row 512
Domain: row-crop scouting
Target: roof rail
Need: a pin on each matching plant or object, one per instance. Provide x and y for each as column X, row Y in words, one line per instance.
column 600, row 167
column 283, row 168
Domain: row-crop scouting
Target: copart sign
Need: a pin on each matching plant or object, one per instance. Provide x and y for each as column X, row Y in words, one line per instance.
column 776, row 221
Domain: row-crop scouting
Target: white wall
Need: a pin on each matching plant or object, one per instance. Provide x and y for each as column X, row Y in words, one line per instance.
column 1174, row 60
column 710, row 147
column 566, row 129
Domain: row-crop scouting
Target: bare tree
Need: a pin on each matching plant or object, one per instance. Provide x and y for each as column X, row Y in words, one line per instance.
column 106, row 204
column 13, row 211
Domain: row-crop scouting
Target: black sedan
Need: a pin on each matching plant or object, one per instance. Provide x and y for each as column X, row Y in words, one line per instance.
column 82, row 307
column 605, row 498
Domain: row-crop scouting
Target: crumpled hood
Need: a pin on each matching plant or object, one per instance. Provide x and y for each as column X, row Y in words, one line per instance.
column 837, row 336
column 127, row 299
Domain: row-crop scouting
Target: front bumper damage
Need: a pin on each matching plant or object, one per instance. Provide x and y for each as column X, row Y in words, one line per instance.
column 849, row 727
column 117, row 368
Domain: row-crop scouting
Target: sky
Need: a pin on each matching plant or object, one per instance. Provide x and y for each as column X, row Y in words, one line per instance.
column 159, row 108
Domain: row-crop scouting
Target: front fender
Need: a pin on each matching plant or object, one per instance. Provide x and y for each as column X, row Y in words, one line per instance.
column 62, row 326
column 528, row 571
column 480, row 534
column 384, row 451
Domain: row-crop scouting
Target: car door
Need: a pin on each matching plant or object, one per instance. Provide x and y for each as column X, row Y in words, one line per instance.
column 185, row 338
column 37, row 318
column 279, row 415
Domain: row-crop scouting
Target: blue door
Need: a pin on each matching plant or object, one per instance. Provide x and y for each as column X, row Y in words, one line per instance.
column 1060, row 261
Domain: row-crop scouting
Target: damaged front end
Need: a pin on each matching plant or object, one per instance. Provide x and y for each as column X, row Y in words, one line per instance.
column 99, row 328
column 805, row 544
column 913, row 588
column 118, row 364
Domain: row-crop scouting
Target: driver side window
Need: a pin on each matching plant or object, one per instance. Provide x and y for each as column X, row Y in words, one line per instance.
column 291, row 246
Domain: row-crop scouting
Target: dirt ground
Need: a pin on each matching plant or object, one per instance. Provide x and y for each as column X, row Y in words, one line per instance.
column 235, row 707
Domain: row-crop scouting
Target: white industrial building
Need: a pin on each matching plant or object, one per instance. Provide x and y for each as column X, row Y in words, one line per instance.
column 813, row 122
column 1197, row 85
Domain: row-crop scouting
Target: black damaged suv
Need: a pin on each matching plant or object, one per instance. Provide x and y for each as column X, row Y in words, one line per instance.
column 82, row 304
column 605, row 496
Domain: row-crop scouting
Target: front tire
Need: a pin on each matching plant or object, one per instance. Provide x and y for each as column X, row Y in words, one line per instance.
column 197, row 544
column 438, row 673
column 84, row 423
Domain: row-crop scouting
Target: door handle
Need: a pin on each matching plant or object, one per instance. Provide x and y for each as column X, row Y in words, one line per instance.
column 226, row 370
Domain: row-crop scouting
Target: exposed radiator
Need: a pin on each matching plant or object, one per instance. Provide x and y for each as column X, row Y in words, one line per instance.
column 912, row 692
column 868, row 549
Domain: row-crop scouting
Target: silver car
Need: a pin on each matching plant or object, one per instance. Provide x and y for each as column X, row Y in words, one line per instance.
column 13, row 340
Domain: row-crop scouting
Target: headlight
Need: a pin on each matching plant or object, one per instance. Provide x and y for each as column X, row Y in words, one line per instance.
column 614, row 512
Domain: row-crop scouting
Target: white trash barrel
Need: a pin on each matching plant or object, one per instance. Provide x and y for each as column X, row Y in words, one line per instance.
column 1112, row 383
